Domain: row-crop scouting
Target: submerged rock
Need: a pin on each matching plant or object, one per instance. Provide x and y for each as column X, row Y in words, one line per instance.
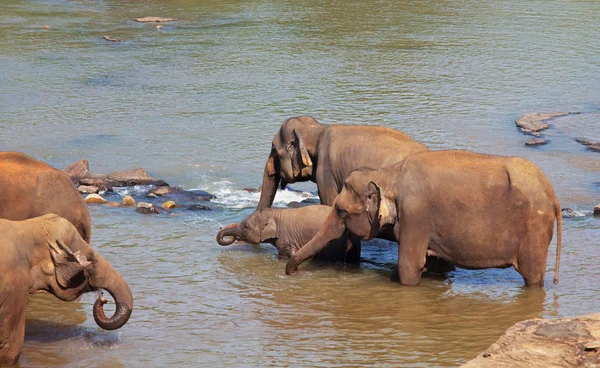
column 597, row 210
column 565, row 342
column 536, row 142
column 199, row 207
column 100, row 181
column 149, row 208
column 128, row 201
column 534, row 122
column 108, row 38
column 154, row 19
column 591, row 145
column 114, row 204
column 95, row 198
column 178, row 192
column 569, row 212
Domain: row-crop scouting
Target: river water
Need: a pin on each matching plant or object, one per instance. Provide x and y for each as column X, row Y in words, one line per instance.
column 197, row 103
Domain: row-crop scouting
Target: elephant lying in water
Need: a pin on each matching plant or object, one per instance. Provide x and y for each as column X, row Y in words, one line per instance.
column 473, row 210
column 31, row 188
column 47, row 253
column 288, row 229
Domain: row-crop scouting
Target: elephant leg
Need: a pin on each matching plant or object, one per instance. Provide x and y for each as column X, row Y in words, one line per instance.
column 12, row 332
column 412, row 252
column 533, row 252
column 352, row 251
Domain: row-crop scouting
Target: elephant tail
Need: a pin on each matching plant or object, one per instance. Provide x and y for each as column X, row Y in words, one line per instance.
column 558, row 238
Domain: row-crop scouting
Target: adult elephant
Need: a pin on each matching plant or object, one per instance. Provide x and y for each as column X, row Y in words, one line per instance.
column 48, row 253
column 305, row 149
column 473, row 210
column 31, row 188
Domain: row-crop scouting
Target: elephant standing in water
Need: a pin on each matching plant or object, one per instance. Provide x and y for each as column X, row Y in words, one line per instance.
column 31, row 188
column 48, row 253
column 305, row 149
column 288, row 229
column 473, row 210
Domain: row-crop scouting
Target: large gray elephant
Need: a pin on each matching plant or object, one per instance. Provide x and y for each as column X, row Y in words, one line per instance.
column 288, row 229
column 31, row 188
column 305, row 149
column 48, row 253
column 473, row 210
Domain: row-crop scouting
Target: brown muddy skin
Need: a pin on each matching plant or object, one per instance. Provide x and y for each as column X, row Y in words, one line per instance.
column 289, row 229
column 47, row 253
column 31, row 188
column 469, row 199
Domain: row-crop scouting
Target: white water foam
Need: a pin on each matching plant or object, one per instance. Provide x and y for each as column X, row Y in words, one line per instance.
column 238, row 198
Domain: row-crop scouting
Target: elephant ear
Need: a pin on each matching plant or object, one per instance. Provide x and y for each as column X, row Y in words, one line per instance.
column 270, row 166
column 66, row 263
column 269, row 231
column 372, row 202
column 306, row 161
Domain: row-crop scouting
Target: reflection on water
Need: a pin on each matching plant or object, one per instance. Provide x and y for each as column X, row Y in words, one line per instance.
column 197, row 104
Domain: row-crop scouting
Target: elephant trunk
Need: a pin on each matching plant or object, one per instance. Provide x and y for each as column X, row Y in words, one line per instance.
column 230, row 231
column 107, row 278
column 271, row 178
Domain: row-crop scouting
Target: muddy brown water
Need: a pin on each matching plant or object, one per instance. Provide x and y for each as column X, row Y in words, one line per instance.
column 197, row 103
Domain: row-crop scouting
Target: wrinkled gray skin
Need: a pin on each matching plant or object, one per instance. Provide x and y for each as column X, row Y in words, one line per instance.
column 472, row 210
column 288, row 229
column 48, row 253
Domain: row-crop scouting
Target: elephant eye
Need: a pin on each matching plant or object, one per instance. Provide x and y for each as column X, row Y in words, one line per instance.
column 291, row 146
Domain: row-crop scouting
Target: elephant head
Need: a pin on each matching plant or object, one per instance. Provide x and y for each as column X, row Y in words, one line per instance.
column 291, row 158
column 257, row 228
column 361, row 208
column 67, row 266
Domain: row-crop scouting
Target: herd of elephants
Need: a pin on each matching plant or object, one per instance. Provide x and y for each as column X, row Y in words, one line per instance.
column 444, row 208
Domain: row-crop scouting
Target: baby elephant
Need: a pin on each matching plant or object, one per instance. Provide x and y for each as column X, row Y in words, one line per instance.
column 472, row 210
column 48, row 253
column 288, row 229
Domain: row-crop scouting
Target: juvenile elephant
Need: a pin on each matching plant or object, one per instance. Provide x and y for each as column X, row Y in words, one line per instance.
column 31, row 188
column 288, row 229
column 473, row 210
column 47, row 253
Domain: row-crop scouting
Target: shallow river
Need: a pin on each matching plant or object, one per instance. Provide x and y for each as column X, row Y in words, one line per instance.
column 197, row 103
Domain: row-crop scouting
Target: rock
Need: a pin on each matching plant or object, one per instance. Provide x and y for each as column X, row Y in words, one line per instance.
column 569, row 212
column 129, row 178
column 46, row 26
column 87, row 189
column 149, row 208
column 95, row 198
column 100, row 181
column 108, row 38
column 250, row 190
column 114, row 204
column 545, row 343
column 159, row 27
column 591, row 145
column 536, row 142
column 597, row 210
column 169, row 204
column 535, row 122
column 78, row 170
column 199, row 207
column 154, row 19
column 164, row 190
column 128, row 201
column 178, row 192
column 294, row 204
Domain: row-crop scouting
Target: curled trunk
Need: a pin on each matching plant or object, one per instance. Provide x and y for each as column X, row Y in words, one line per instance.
column 229, row 231
column 107, row 278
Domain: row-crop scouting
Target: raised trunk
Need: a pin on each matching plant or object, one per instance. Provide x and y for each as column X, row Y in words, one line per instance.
column 233, row 232
column 333, row 228
column 271, row 179
column 106, row 277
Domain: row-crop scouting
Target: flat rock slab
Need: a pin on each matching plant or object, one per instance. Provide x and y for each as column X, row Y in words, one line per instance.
column 536, row 142
column 590, row 144
column 566, row 342
column 535, row 122
column 154, row 19
column 111, row 39
column 128, row 178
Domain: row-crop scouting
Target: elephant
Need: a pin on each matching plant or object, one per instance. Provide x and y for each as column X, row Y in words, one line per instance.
column 31, row 188
column 48, row 253
column 288, row 229
column 473, row 210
